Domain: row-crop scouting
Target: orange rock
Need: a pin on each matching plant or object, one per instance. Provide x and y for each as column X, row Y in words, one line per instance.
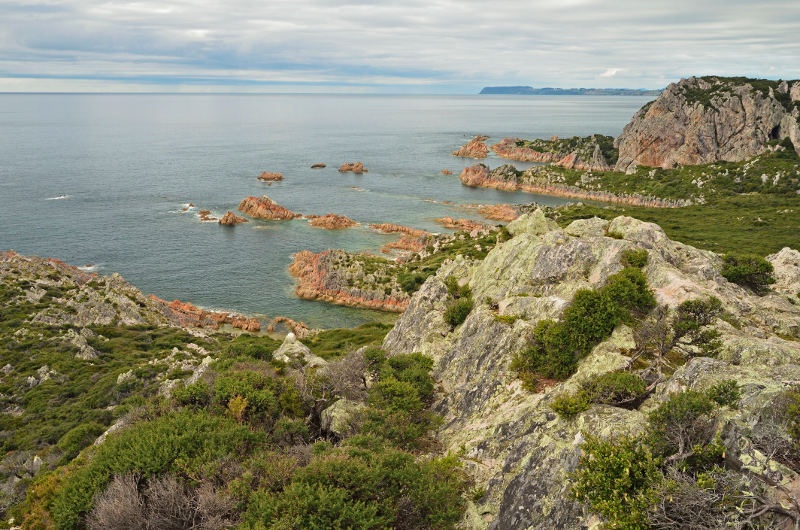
column 461, row 224
column 265, row 208
column 475, row 148
column 446, row 172
column 499, row 212
column 230, row 219
column 205, row 215
column 476, row 175
column 355, row 167
column 318, row 165
column 331, row 221
column 507, row 148
column 267, row 176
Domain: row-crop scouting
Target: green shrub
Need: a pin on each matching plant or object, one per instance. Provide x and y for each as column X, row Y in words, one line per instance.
column 180, row 442
column 570, row 405
column 685, row 421
column 77, row 438
column 195, row 395
column 634, row 257
column 458, row 310
column 588, row 320
column 614, row 388
column 750, row 271
column 725, row 393
column 616, row 477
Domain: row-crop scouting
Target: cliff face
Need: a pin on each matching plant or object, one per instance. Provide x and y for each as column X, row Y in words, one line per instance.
column 514, row 445
column 704, row 120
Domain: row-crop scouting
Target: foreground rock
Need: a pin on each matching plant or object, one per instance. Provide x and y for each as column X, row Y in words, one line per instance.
column 265, row 208
column 354, row 167
column 708, row 119
column 512, row 443
column 475, row 148
column 231, row 219
column 337, row 277
column 331, row 221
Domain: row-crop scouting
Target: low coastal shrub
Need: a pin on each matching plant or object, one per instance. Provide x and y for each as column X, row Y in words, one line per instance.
column 634, row 257
column 588, row 320
column 749, row 270
column 460, row 307
column 570, row 405
column 614, row 388
column 726, row 393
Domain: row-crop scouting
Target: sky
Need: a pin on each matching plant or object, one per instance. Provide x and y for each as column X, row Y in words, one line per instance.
column 387, row 46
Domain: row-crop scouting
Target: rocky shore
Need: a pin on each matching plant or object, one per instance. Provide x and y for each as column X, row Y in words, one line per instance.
column 340, row 278
column 187, row 315
column 412, row 239
column 507, row 178
column 331, row 221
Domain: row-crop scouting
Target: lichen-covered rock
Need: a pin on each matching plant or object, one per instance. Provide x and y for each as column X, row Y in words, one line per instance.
column 292, row 350
column 513, row 444
column 786, row 264
column 704, row 120
column 341, row 418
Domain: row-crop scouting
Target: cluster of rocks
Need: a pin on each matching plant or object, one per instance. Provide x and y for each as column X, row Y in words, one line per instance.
column 268, row 176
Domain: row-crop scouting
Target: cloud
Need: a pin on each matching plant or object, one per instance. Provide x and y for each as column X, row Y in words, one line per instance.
column 387, row 45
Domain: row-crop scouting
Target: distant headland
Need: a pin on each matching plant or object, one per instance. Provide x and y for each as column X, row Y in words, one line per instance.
column 548, row 91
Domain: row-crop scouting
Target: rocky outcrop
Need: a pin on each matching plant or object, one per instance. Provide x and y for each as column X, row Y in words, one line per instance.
column 300, row 329
column 467, row 225
column 507, row 178
column 475, row 148
column 412, row 240
column 708, row 119
column 331, row 221
column 499, row 212
column 185, row 314
column 265, row 208
column 267, row 176
column 206, row 216
column 354, row 167
column 512, row 443
column 293, row 351
column 231, row 219
column 515, row 149
column 786, row 264
column 583, row 154
column 337, row 277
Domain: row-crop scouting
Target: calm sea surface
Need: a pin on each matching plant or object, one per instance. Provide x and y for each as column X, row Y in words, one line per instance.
column 102, row 179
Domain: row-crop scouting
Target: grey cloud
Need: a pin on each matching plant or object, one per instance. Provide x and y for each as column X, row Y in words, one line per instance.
column 424, row 44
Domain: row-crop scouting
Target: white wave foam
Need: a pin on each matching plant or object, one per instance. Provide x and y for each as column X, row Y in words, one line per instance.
column 58, row 198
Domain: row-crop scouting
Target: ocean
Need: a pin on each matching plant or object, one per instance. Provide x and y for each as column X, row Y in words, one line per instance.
column 101, row 180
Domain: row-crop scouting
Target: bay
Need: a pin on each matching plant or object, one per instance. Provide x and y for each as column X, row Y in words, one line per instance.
column 102, row 179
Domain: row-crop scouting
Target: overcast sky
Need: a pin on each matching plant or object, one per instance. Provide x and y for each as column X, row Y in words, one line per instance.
column 417, row 46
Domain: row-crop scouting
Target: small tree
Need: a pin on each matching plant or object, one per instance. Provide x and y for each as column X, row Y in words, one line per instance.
column 749, row 271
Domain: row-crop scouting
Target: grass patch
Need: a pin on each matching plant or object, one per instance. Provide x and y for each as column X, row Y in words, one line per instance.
column 334, row 343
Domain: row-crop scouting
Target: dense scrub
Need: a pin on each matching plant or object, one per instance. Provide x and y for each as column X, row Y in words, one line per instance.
column 675, row 474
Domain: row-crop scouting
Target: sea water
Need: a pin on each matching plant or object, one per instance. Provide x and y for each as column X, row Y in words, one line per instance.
column 103, row 180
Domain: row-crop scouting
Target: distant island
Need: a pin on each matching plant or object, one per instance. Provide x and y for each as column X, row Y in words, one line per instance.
column 548, row 91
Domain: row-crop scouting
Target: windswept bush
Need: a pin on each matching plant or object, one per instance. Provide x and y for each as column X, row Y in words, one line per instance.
column 587, row 321
column 749, row 270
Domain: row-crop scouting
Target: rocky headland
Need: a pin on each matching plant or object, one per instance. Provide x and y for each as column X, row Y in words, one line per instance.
column 467, row 225
column 265, row 208
column 411, row 240
column 544, row 182
column 700, row 120
column 475, row 148
column 340, row 278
